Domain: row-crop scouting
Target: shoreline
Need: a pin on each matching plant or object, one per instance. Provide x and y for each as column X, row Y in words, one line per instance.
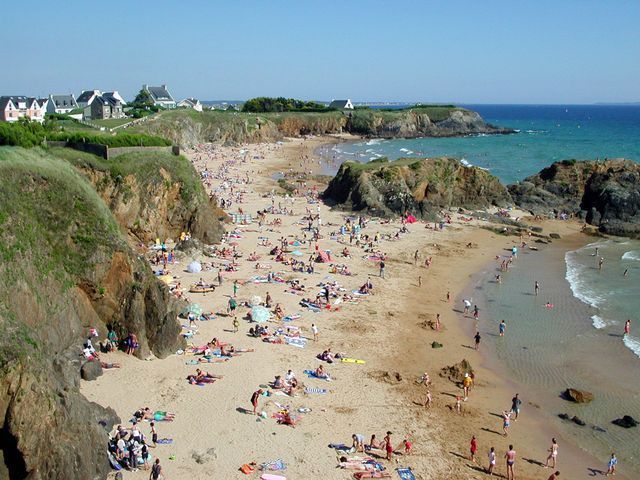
column 381, row 329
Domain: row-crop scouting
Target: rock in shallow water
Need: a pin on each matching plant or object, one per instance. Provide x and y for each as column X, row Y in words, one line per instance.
column 626, row 422
column 577, row 396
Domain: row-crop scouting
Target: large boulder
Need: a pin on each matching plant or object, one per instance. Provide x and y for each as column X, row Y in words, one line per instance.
column 626, row 422
column 419, row 186
column 578, row 396
column 457, row 372
column 91, row 370
column 605, row 194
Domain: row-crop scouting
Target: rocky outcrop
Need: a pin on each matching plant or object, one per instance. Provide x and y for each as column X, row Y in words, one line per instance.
column 419, row 186
column 577, row 396
column 189, row 128
column 152, row 195
column 626, row 422
column 66, row 267
column 605, row 194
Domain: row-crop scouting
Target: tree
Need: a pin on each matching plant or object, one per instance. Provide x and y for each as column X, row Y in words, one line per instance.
column 143, row 100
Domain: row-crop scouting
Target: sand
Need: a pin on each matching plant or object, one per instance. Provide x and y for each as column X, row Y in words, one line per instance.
column 213, row 437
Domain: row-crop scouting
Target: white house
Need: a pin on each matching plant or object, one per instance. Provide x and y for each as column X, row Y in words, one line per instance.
column 15, row 107
column 61, row 103
column 191, row 103
column 160, row 96
column 341, row 104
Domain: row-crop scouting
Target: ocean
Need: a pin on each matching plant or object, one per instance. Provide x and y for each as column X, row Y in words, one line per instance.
column 546, row 133
column 579, row 342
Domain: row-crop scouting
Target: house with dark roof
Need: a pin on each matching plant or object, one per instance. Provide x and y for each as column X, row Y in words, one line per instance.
column 160, row 96
column 102, row 107
column 191, row 103
column 86, row 97
column 341, row 104
column 12, row 108
column 61, row 103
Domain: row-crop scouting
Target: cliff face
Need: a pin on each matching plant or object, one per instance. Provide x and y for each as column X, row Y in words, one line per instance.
column 605, row 194
column 66, row 267
column 152, row 194
column 421, row 186
column 190, row 127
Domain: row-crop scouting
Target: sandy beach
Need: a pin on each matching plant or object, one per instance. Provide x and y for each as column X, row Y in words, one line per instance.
column 214, row 432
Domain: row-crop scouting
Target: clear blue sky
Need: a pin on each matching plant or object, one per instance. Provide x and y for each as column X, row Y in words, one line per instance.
column 542, row 51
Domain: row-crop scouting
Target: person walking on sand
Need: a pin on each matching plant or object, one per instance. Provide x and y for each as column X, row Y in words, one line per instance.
column 536, row 288
column 428, row 399
column 382, row 268
column 553, row 454
column 473, row 449
column 510, row 456
column 438, row 322
column 516, row 404
column 477, row 337
column 236, row 324
column 501, row 328
column 613, row 462
column 492, row 461
column 466, row 385
column 314, row 330
column 254, row 400
column 627, row 327
column 467, row 306
column 415, row 257
column 235, row 288
column 506, row 422
column 448, row 297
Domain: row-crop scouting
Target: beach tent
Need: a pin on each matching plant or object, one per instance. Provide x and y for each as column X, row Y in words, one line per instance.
column 259, row 314
column 323, row 257
column 194, row 267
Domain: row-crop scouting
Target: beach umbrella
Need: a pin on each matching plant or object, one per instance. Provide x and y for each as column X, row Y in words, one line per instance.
column 194, row 267
column 259, row 314
column 194, row 308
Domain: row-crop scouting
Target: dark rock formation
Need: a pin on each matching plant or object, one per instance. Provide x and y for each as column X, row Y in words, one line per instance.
column 91, row 370
column 605, row 194
column 626, row 422
column 578, row 421
column 577, row 396
column 66, row 267
column 456, row 373
column 419, row 186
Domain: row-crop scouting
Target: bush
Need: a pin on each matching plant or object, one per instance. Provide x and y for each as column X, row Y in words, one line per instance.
column 281, row 104
column 29, row 134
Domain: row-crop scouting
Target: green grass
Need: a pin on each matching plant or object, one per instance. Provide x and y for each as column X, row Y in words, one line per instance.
column 112, row 122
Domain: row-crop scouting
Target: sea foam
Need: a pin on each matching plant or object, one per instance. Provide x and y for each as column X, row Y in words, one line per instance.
column 576, row 273
column 631, row 255
column 598, row 321
column 632, row 344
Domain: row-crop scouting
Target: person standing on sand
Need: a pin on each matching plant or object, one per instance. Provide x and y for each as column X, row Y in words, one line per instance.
column 428, row 399
column 553, row 454
column 516, row 403
column 536, row 288
column 235, row 288
column 492, row 460
column 501, row 328
column 613, row 462
column 156, row 471
column 448, row 297
column 314, row 330
column 219, row 277
column 466, row 385
column 438, row 322
column 415, row 257
column 477, row 337
column 473, row 449
column 627, row 327
column 254, row 400
column 506, row 422
column 467, row 306
column 510, row 456
column 382, row 268
column 388, row 445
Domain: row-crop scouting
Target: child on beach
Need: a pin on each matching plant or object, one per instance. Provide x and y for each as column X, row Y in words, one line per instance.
column 492, row 461
column 613, row 462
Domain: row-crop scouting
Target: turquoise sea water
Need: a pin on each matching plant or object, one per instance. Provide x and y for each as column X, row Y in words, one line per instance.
column 547, row 133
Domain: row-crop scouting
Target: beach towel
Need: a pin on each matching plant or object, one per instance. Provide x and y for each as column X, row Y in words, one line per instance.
column 405, row 474
column 352, row 360
column 271, row 476
column 291, row 318
column 339, row 446
column 296, row 342
column 312, row 374
column 274, row 466
column 165, row 441
column 319, row 391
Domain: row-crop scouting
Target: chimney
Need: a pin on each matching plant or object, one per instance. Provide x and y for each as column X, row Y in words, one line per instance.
column 164, row 85
column 144, row 87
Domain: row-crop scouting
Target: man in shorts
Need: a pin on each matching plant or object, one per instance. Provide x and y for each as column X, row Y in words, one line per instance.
column 516, row 403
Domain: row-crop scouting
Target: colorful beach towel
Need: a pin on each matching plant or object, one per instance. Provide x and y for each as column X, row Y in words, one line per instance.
column 319, row 391
column 405, row 474
column 312, row 374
